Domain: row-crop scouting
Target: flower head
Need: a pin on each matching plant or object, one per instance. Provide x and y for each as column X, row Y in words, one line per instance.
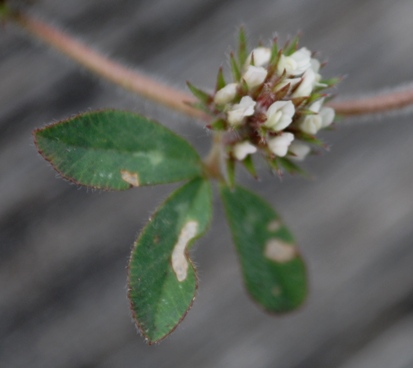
column 274, row 106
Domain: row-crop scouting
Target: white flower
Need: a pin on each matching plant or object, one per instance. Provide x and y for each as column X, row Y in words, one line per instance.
column 306, row 86
column 311, row 124
column 311, row 79
column 279, row 145
column 299, row 151
column 322, row 118
column 243, row 149
column 226, row 94
column 315, row 66
column 280, row 115
column 295, row 64
column 244, row 108
column 254, row 76
column 262, row 56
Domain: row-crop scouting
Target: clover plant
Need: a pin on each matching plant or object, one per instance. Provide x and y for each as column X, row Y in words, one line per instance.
column 272, row 109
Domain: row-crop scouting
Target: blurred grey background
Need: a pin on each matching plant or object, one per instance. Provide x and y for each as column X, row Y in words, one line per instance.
column 64, row 249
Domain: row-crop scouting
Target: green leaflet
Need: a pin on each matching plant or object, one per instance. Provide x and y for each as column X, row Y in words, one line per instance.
column 274, row 273
column 161, row 290
column 113, row 149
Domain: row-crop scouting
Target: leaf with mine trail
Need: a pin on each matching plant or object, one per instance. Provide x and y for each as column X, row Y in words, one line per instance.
column 274, row 273
column 162, row 279
column 114, row 149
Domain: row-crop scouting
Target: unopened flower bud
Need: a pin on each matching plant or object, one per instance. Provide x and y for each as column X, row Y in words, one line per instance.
column 254, row 76
column 243, row 149
column 226, row 94
column 327, row 115
column 244, row 108
column 279, row 145
column 299, row 151
column 322, row 118
column 279, row 115
column 311, row 124
column 262, row 56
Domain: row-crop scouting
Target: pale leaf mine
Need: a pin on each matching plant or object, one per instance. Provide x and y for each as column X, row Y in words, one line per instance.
column 279, row 251
column 179, row 261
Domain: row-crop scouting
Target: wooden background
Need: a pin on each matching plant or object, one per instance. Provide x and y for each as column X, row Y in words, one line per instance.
column 64, row 249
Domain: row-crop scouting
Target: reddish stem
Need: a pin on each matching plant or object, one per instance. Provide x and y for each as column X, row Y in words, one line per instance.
column 110, row 70
column 177, row 100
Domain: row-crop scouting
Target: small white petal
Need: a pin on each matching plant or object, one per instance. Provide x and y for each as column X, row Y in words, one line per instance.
column 315, row 65
column 303, row 59
column 316, row 106
column 296, row 64
column 327, row 116
column 262, row 56
column 306, row 86
column 286, row 63
column 226, row 94
column 254, row 76
column 239, row 111
column 243, row 149
column 279, row 145
column 299, row 151
column 311, row 124
column 279, row 115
